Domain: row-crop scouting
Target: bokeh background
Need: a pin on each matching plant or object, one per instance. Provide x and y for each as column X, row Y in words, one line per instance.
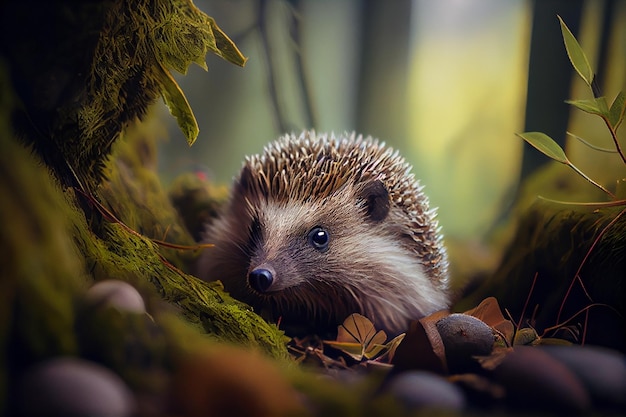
column 446, row 82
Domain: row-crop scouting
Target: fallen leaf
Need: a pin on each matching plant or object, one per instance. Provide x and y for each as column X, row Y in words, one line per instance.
column 422, row 347
column 358, row 338
column 491, row 362
column 489, row 312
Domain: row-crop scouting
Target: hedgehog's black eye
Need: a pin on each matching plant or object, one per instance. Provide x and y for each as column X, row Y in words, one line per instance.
column 319, row 238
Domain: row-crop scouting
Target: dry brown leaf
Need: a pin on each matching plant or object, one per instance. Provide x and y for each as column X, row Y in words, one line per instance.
column 489, row 312
column 422, row 347
column 358, row 338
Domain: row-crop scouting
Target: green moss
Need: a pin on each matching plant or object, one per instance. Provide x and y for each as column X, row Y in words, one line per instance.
column 197, row 200
column 553, row 241
column 87, row 70
column 55, row 240
column 50, row 256
column 42, row 271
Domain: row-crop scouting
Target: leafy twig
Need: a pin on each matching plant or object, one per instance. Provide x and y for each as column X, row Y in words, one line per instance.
column 546, row 145
column 612, row 116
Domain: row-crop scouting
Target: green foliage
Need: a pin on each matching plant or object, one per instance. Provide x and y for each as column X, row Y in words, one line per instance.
column 178, row 105
column 576, row 55
column 612, row 116
column 147, row 39
column 92, row 68
column 41, row 272
column 546, row 145
column 616, row 112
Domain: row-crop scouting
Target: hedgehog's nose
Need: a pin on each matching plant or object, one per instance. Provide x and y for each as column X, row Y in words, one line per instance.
column 260, row 279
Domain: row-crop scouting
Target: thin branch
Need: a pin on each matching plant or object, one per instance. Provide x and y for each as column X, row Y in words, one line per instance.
column 559, row 325
column 303, row 80
column 271, row 72
column 580, row 267
column 614, row 137
column 582, row 174
column 614, row 203
column 530, row 292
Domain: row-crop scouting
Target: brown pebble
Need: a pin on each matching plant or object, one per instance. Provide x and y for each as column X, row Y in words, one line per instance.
column 464, row 337
column 601, row 370
column 533, row 380
column 421, row 389
column 73, row 387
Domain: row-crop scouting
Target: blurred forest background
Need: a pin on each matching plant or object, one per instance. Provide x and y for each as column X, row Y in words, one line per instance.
column 446, row 82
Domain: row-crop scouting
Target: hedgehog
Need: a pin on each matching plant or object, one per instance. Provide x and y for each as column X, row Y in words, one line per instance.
column 319, row 226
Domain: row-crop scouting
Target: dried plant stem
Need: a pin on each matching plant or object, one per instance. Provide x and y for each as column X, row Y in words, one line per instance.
column 615, row 140
column 580, row 267
column 582, row 174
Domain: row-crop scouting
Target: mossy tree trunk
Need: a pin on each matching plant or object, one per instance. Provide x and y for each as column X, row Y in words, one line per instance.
column 74, row 77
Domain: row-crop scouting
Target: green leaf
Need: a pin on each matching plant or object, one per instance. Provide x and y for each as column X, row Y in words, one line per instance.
column 576, row 54
column 546, row 145
column 178, row 104
column 224, row 46
column 591, row 145
column 616, row 112
column 551, row 149
column 184, row 34
column 589, row 106
column 601, row 103
column 594, row 106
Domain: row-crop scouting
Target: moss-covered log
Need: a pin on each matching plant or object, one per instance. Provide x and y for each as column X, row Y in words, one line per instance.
column 565, row 262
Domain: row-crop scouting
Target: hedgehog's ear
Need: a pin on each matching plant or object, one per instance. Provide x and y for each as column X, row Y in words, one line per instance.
column 376, row 198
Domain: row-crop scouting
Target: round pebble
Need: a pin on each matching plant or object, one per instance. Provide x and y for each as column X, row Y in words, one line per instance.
column 464, row 337
column 73, row 387
column 601, row 370
column 534, row 380
column 118, row 294
column 419, row 389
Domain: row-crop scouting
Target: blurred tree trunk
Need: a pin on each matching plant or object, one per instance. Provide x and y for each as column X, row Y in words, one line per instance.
column 549, row 76
column 385, row 40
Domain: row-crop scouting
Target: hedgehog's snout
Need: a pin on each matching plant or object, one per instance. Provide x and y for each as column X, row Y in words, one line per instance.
column 261, row 278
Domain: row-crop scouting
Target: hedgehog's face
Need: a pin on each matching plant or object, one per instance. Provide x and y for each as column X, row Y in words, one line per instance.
column 302, row 260
column 301, row 246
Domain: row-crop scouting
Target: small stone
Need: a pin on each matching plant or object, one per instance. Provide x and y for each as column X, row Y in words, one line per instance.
column 73, row 387
column 534, row 380
column 601, row 370
column 421, row 389
column 118, row 294
column 464, row 337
